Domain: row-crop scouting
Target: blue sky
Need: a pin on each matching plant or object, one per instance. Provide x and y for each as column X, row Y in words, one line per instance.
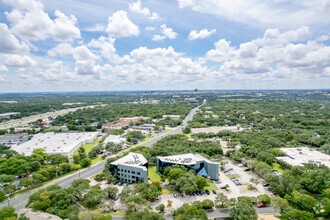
column 73, row 45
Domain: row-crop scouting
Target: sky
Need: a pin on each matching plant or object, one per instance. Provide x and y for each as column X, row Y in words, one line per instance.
column 114, row 45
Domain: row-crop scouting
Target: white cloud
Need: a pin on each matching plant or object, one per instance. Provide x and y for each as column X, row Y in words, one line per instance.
column 136, row 7
column 108, row 49
column 95, row 28
column 61, row 50
column 83, row 53
column 166, row 33
column 201, row 34
column 19, row 61
column 290, row 14
column 9, row 43
column 150, row 28
column 30, row 22
column 278, row 55
column 119, row 25
column 3, row 68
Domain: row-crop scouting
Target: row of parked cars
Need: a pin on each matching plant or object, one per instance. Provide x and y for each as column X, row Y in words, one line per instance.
column 236, row 181
column 197, row 192
column 120, row 183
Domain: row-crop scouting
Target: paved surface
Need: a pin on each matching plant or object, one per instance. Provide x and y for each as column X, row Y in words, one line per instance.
column 20, row 201
column 177, row 130
column 220, row 213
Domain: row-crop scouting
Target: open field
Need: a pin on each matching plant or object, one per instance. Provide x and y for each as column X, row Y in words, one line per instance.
column 153, row 175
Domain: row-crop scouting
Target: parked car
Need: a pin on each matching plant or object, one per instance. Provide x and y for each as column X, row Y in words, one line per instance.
column 202, row 192
column 157, row 198
column 125, row 184
column 181, row 194
column 214, row 192
column 197, row 193
column 265, row 184
column 193, row 193
column 116, row 197
column 115, row 183
column 175, row 195
column 190, row 194
column 120, row 183
column 240, row 165
column 247, row 169
column 222, row 187
column 207, row 192
column 260, row 205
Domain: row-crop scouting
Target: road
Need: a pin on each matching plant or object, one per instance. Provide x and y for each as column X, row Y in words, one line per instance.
column 27, row 120
column 178, row 129
column 216, row 214
column 20, row 201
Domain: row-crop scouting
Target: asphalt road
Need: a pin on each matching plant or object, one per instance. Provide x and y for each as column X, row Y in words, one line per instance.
column 177, row 130
column 20, row 201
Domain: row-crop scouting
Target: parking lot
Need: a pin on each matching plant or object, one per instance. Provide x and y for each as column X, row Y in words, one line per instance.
column 244, row 178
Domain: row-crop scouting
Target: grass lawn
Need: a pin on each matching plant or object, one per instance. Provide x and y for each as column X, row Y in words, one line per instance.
column 153, row 175
column 88, row 147
column 94, row 161
column 277, row 167
column 210, row 186
column 231, row 176
column 167, row 191
column 118, row 213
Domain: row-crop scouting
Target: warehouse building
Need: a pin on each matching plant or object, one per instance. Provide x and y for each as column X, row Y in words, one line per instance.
column 303, row 155
column 116, row 139
column 200, row 164
column 132, row 168
column 56, row 143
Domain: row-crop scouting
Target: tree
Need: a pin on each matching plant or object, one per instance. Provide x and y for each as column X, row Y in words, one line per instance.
column 78, row 188
column 207, row 204
column 26, row 182
column 243, row 210
column 3, row 197
column 38, row 178
column 222, row 200
column 7, row 178
column 280, row 203
column 144, row 215
column 86, row 162
column 186, row 183
column 187, row 211
column 175, row 174
column 297, row 215
column 160, row 208
column 135, row 203
column 201, row 182
column 41, row 201
column 111, row 191
column 56, row 159
column 9, row 189
column 264, row 198
column 8, row 213
column 148, row 191
column 94, row 196
column 301, row 201
column 169, row 203
column 125, row 192
column 255, row 182
column 76, row 159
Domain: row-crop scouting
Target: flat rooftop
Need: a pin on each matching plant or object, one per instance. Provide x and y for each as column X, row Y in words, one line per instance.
column 131, row 159
column 117, row 139
column 9, row 114
column 14, row 139
column 303, row 155
column 56, row 143
column 184, row 159
column 216, row 129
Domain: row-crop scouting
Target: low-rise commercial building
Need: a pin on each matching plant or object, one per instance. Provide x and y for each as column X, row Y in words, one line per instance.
column 200, row 164
column 174, row 117
column 56, row 143
column 14, row 139
column 144, row 127
column 117, row 139
column 132, row 168
column 303, row 155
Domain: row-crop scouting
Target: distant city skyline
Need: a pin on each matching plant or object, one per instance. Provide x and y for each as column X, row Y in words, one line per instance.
column 115, row 45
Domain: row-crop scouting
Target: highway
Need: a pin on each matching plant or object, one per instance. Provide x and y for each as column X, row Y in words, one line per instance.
column 20, row 201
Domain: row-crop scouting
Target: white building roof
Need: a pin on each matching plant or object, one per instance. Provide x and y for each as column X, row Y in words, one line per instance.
column 184, row 159
column 117, row 139
column 303, row 155
column 132, row 159
column 56, row 143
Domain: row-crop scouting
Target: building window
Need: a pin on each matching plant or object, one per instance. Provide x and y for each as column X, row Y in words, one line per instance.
column 125, row 175
column 133, row 177
column 138, row 173
column 121, row 170
column 125, row 171
column 129, row 171
column 133, row 172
